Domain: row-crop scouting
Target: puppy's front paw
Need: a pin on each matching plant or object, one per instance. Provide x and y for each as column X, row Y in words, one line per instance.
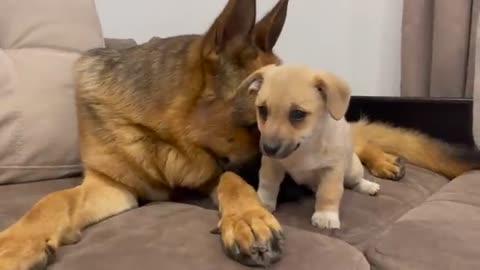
column 326, row 220
column 253, row 238
column 268, row 199
column 367, row 187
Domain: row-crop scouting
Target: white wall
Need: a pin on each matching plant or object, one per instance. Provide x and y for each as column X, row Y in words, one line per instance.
column 359, row 40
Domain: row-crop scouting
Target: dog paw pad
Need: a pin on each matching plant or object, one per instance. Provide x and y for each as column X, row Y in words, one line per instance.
column 326, row 220
column 367, row 187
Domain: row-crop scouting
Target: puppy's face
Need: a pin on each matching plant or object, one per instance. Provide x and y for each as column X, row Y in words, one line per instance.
column 292, row 104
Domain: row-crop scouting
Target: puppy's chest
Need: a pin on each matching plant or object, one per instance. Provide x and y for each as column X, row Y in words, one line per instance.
column 304, row 177
column 305, row 169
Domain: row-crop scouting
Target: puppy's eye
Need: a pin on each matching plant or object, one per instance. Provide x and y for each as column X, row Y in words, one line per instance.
column 297, row 115
column 263, row 112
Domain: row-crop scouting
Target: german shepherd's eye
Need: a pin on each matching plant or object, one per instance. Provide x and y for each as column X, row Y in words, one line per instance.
column 263, row 112
column 296, row 115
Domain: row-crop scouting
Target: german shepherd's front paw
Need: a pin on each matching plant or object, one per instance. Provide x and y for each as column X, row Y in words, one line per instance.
column 22, row 253
column 388, row 167
column 254, row 238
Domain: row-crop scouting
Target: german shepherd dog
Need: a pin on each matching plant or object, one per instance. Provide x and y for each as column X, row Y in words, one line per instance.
column 169, row 114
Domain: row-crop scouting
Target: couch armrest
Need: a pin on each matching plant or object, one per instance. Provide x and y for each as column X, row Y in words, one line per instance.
column 444, row 118
column 441, row 233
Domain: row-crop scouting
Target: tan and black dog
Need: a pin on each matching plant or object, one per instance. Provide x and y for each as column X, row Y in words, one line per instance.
column 169, row 114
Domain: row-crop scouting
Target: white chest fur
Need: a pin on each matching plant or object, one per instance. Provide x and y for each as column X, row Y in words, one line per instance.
column 319, row 152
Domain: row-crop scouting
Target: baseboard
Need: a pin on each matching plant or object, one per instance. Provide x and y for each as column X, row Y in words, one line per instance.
column 449, row 119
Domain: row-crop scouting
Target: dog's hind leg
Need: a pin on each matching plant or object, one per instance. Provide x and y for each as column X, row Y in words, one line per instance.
column 58, row 218
column 378, row 162
column 355, row 181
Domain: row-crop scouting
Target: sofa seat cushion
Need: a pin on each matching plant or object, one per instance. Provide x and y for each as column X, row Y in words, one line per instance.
column 364, row 217
column 177, row 236
column 16, row 199
column 441, row 233
column 167, row 235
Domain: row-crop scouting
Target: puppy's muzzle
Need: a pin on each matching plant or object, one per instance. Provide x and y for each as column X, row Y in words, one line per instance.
column 277, row 148
column 271, row 149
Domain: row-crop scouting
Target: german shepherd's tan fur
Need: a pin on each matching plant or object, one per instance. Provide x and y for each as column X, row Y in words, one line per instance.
column 169, row 114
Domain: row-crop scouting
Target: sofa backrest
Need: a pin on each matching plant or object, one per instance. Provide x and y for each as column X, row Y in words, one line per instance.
column 39, row 41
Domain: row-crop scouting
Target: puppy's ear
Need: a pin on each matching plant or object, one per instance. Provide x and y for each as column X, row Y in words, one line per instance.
column 254, row 81
column 236, row 22
column 336, row 93
column 268, row 29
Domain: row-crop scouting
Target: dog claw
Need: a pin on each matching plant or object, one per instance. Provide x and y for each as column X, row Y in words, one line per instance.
column 234, row 250
column 259, row 253
column 400, row 163
column 215, row 230
column 391, row 167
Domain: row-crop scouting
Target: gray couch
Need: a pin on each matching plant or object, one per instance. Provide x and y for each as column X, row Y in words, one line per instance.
column 423, row 221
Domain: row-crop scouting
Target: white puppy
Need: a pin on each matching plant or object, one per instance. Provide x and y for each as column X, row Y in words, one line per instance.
column 304, row 133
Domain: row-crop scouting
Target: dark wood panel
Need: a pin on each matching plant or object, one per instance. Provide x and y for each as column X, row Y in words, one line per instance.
column 445, row 118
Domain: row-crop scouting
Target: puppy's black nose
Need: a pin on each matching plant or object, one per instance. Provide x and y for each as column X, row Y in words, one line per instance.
column 271, row 148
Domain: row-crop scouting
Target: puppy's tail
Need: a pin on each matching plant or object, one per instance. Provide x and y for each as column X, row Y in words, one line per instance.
column 418, row 148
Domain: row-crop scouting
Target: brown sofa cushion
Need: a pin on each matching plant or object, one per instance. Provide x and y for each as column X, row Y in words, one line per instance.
column 364, row 217
column 442, row 233
column 16, row 199
column 39, row 41
column 167, row 236
column 176, row 236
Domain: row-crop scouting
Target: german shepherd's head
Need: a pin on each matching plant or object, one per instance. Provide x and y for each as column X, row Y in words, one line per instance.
column 234, row 47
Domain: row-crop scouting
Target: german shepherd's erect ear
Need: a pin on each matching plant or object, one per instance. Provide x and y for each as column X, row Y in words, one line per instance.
column 234, row 46
column 234, row 24
column 268, row 29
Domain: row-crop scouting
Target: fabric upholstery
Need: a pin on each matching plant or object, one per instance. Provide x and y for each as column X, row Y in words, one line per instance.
column 176, row 236
column 55, row 24
column 39, row 41
column 16, row 199
column 442, row 233
column 363, row 217
column 167, row 236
